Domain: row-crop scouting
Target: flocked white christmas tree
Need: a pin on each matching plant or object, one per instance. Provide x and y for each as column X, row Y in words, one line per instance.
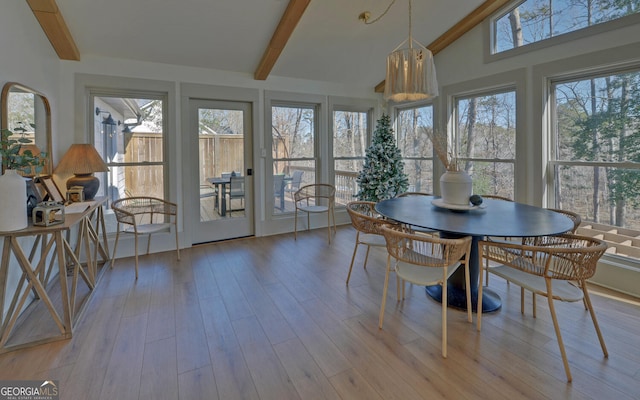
column 382, row 176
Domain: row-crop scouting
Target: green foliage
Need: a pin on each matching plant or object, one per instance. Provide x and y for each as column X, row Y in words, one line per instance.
column 612, row 134
column 27, row 162
column 382, row 176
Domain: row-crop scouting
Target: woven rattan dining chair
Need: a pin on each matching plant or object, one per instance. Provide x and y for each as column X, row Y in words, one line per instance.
column 367, row 223
column 312, row 199
column 577, row 220
column 546, row 266
column 486, row 265
column 144, row 216
column 425, row 260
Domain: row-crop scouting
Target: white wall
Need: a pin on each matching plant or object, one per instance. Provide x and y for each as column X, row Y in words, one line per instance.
column 26, row 54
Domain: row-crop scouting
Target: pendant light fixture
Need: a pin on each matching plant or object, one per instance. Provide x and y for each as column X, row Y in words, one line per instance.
column 411, row 73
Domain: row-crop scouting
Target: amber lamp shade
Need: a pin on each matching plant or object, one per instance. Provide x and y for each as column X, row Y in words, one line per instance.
column 82, row 160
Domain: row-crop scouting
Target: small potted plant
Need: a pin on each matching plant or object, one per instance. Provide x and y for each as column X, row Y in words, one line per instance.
column 13, row 187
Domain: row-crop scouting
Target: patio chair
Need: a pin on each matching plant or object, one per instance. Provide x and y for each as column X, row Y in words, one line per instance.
column 312, row 199
column 278, row 191
column 144, row 216
column 426, row 260
column 294, row 185
column 236, row 192
column 546, row 266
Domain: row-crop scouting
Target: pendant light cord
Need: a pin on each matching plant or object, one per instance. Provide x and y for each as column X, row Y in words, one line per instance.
column 366, row 15
column 410, row 35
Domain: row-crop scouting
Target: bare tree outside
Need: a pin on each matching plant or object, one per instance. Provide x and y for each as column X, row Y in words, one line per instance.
column 535, row 20
column 486, row 141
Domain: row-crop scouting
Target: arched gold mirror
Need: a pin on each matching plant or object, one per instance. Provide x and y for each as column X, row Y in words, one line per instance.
column 27, row 113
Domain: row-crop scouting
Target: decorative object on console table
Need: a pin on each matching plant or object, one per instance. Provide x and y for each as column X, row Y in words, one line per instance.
column 53, row 193
column 13, row 201
column 48, row 213
column 75, row 194
column 82, row 160
column 33, row 196
column 13, row 187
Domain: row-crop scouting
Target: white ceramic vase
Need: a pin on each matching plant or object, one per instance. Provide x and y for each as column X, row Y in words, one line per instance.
column 13, row 202
column 456, row 187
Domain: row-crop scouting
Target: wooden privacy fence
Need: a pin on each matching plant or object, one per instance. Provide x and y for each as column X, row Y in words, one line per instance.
column 216, row 154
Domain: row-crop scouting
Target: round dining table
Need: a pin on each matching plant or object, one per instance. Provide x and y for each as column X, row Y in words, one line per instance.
column 493, row 217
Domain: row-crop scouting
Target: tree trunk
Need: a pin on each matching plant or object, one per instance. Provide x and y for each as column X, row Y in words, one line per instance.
column 596, row 170
column 471, row 126
column 516, row 27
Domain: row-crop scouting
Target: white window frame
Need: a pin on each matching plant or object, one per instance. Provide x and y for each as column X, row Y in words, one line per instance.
column 87, row 84
column 426, row 157
column 525, row 142
column 347, row 105
column 489, row 35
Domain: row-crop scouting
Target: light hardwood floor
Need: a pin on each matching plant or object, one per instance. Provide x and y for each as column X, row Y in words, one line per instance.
column 271, row 318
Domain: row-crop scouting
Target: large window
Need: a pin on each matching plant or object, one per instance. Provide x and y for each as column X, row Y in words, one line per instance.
column 485, row 141
column 413, row 125
column 350, row 139
column 532, row 21
column 129, row 135
column 596, row 152
column 293, row 129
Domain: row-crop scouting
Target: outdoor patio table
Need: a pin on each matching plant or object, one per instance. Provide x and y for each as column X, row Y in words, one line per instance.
column 220, row 184
column 493, row 218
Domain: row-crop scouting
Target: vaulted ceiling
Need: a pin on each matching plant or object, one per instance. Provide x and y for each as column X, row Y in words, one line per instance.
column 308, row 39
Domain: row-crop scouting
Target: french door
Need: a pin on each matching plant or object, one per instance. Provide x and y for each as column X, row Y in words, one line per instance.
column 222, row 180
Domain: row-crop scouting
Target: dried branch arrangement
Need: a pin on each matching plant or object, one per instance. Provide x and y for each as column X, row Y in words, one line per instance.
column 443, row 150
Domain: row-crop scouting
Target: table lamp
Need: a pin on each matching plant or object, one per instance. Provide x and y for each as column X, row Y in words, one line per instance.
column 82, row 160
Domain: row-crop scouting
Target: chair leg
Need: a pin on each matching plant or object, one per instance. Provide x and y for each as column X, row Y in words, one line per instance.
column 177, row 242
column 556, row 326
column 444, row 301
column 148, row 243
column 115, row 246
column 329, row 225
column 136, row 249
column 295, row 226
column 486, row 272
column 480, row 285
column 587, row 301
column 353, row 257
column 533, row 304
column 366, row 257
column 521, row 300
column 384, row 292
column 467, row 281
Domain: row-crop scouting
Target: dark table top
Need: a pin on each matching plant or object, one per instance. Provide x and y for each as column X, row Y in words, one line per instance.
column 497, row 218
column 218, row 180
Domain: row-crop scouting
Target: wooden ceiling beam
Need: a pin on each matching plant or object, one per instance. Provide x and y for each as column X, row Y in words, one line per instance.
column 48, row 15
column 285, row 28
column 463, row 26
